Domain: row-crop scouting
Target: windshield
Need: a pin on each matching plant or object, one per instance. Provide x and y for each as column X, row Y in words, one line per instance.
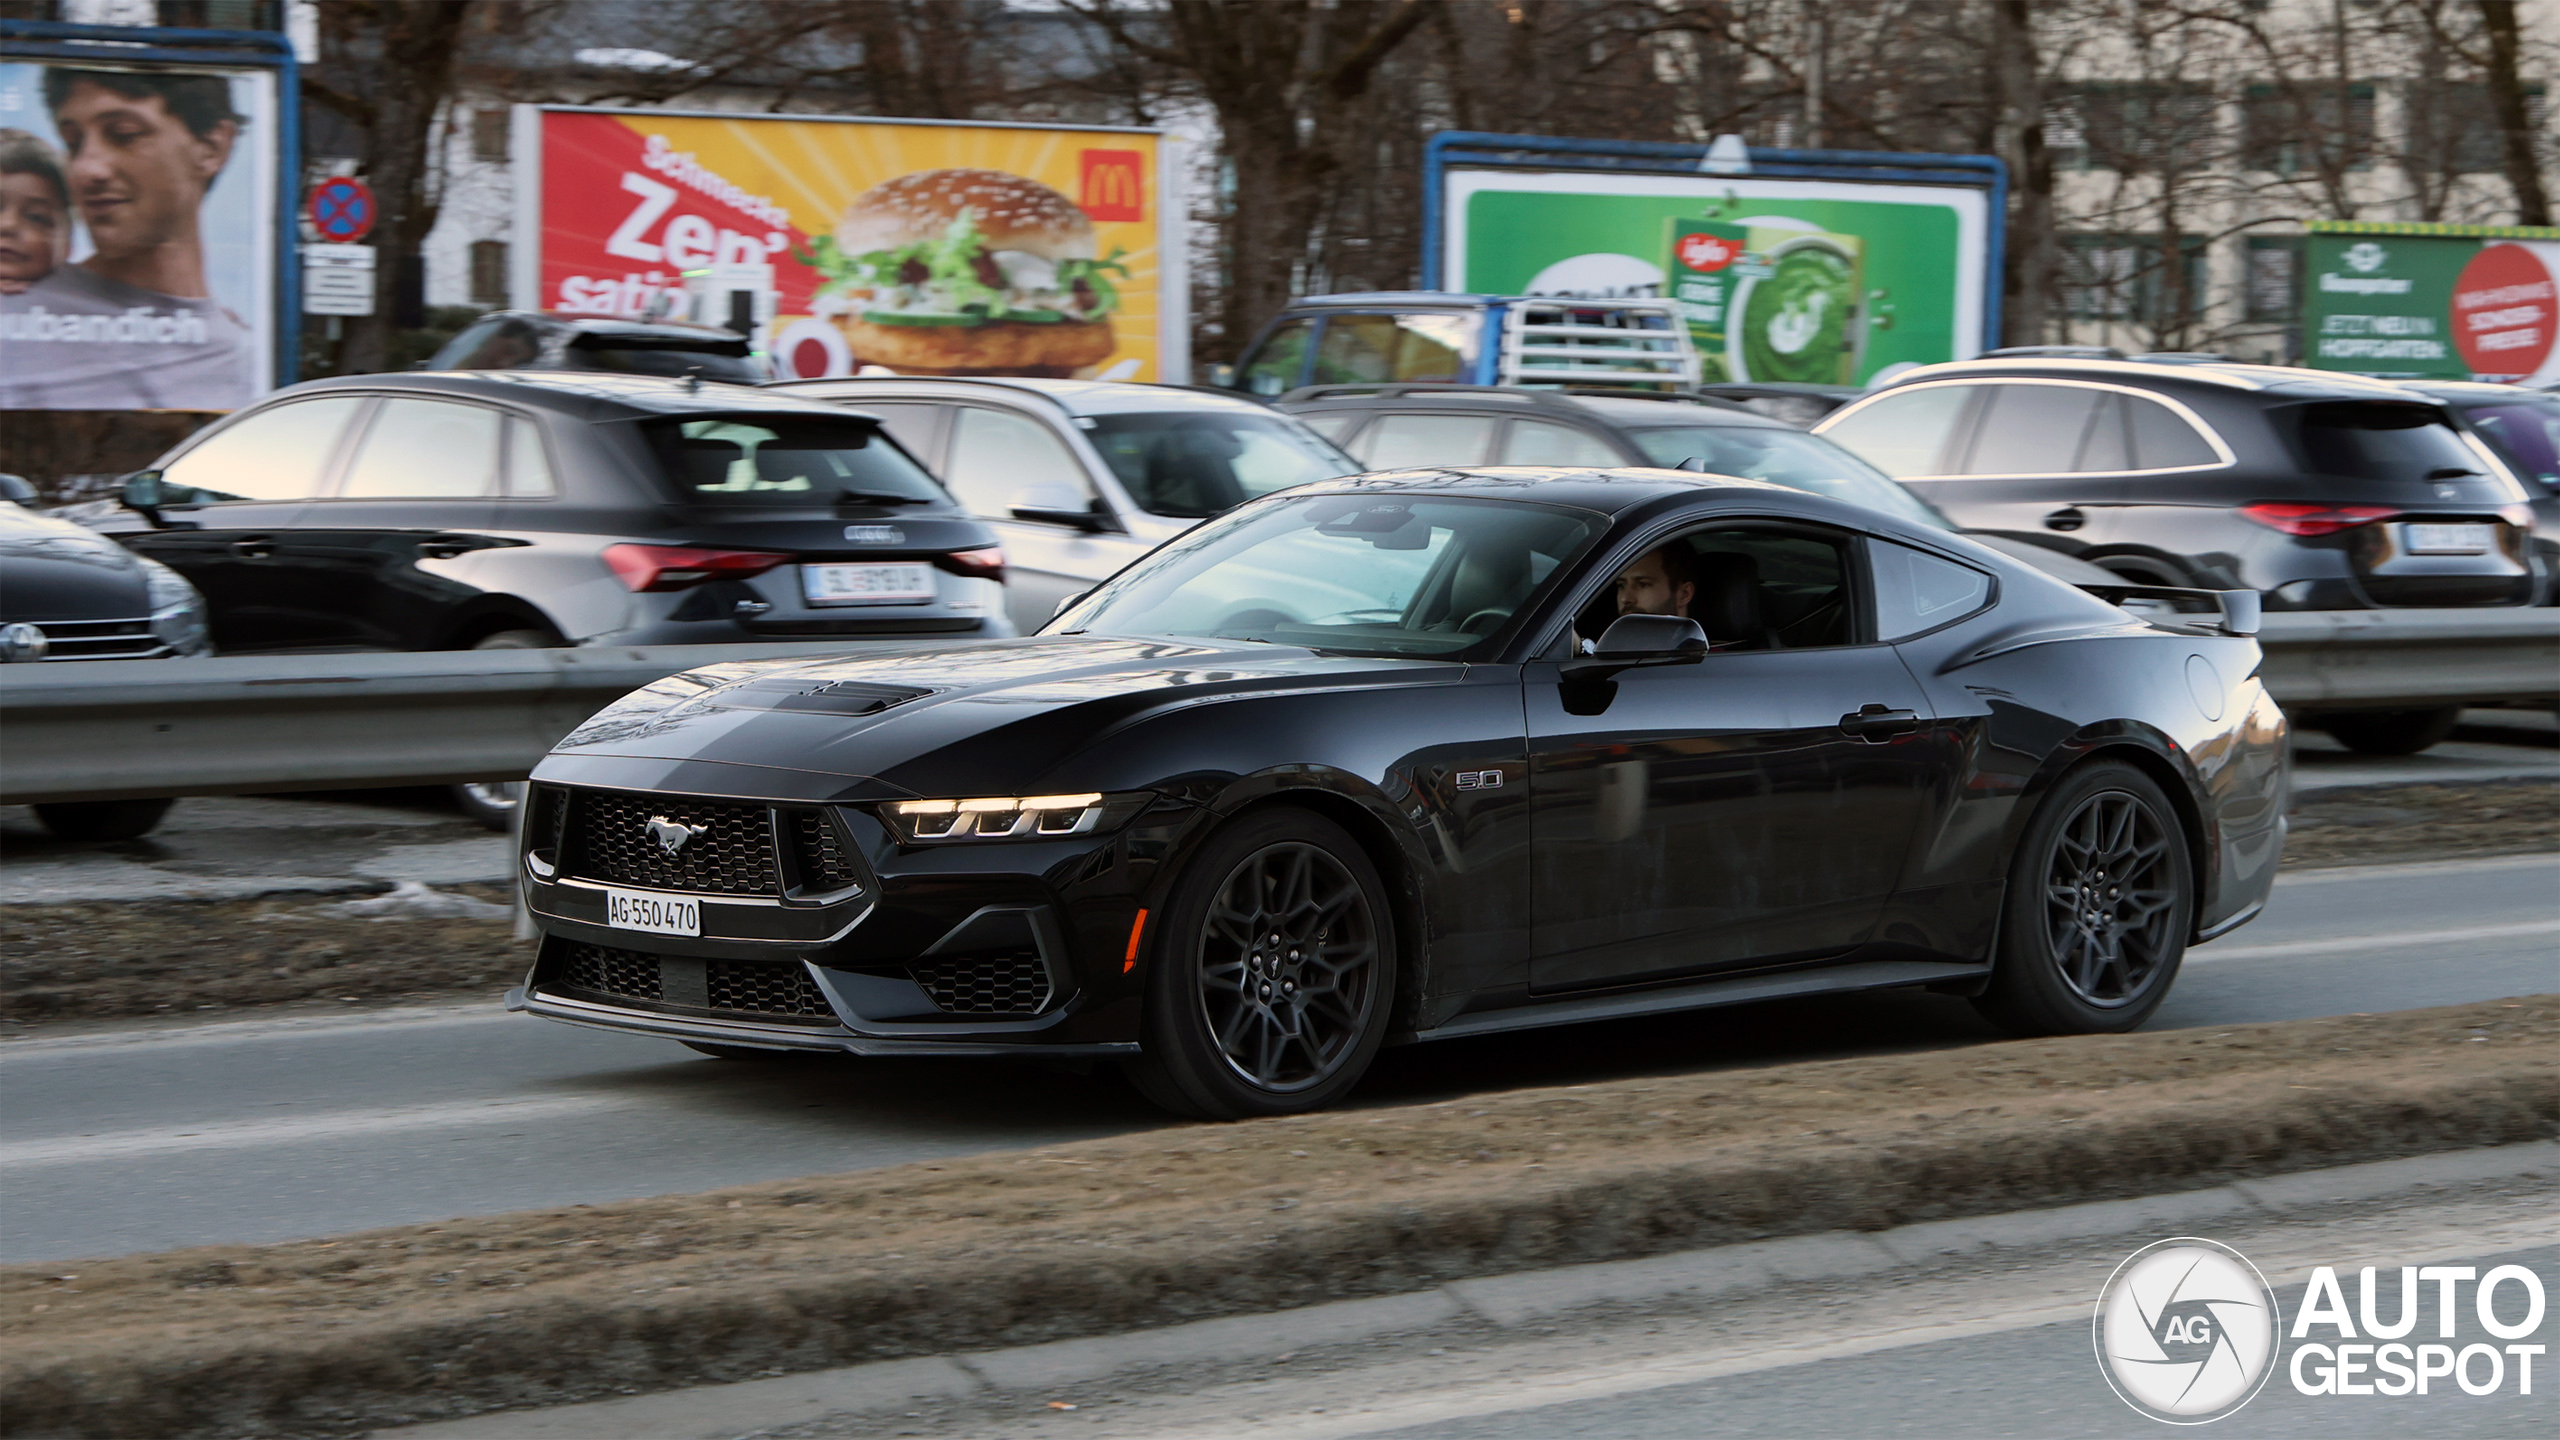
column 2525, row 433
column 1191, row 464
column 1362, row 574
column 1790, row 458
column 788, row 461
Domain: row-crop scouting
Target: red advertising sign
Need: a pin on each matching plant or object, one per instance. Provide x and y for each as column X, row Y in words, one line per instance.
column 2504, row 311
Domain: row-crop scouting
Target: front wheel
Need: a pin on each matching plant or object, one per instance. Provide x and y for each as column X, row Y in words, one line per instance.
column 2101, row 898
column 1273, row 976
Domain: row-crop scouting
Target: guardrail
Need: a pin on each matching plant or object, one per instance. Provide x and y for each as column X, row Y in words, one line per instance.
column 118, row 729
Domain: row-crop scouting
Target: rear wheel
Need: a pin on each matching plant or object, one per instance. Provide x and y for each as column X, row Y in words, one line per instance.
column 1271, row 984
column 103, row 819
column 2101, row 898
column 493, row 803
column 2391, row 732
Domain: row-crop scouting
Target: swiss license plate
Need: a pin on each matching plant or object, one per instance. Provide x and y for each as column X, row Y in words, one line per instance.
column 2448, row 539
column 866, row 584
column 656, row 914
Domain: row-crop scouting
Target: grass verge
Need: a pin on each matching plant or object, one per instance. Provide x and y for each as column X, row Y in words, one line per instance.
column 558, row 1305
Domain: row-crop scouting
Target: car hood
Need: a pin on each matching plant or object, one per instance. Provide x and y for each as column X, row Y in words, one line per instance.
column 974, row 718
column 54, row 570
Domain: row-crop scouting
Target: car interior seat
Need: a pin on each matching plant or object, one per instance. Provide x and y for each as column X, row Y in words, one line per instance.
column 1727, row 603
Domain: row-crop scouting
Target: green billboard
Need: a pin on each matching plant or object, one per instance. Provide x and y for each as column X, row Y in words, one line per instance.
column 2438, row 302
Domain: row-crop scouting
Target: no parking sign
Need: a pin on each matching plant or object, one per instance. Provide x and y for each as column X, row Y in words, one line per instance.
column 341, row 209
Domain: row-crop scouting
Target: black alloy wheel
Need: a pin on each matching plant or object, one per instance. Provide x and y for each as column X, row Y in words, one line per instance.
column 2101, row 898
column 1271, row 985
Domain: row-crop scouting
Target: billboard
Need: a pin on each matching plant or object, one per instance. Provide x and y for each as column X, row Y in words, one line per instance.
column 137, row 235
column 1801, row 266
column 2439, row 302
column 839, row 245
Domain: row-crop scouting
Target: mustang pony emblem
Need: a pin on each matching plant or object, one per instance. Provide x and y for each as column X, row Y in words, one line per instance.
column 671, row 835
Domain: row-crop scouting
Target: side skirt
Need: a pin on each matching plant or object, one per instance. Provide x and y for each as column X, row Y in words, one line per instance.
column 1705, row 995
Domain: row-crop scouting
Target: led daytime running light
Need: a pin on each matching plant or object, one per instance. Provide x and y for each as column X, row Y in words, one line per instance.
column 997, row 817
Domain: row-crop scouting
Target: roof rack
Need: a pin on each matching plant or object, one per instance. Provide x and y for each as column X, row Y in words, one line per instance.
column 1596, row 341
column 2053, row 352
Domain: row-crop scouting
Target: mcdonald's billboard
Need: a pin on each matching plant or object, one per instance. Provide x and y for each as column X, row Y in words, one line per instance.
column 919, row 247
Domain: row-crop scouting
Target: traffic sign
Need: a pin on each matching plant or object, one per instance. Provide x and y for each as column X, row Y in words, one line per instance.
column 341, row 209
column 337, row 279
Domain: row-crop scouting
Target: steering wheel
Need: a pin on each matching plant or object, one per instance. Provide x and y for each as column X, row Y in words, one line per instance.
column 1484, row 621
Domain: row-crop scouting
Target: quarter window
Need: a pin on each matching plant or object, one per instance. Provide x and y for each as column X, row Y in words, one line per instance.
column 1535, row 442
column 2163, row 440
column 1408, row 442
column 2032, row 429
column 278, row 454
column 997, row 454
column 528, row 468
column 426, row 450
column 1903, row 435
column 1916, row 591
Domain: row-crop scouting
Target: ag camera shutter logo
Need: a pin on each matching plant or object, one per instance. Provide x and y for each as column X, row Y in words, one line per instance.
column 2186, row 1331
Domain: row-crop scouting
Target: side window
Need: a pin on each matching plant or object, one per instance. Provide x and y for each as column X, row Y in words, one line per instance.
column 278, row 454
column 1535, row 442
column 916, row 427
column 1358, row 348
column 1902, row 435
column 1330, row 426
column 1405, row 442
column 2106, row 447
column 1748, row 589
column 2032, row 429
column 997, row 454
column 528, row 466
column 2163, row 440
column 1279, row 361
column 426, row 450
column 1916, row 591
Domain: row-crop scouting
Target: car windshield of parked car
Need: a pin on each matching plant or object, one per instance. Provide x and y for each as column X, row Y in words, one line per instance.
column 782, row 460
column 2525, row 433
column 1790, row 458
column 1361, row 574
column 1197, row 463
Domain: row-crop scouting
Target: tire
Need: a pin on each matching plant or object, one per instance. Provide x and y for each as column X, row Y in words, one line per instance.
column 492, row 803
column 752, row 1053
column 1237, row 1023
column 2391, row 732
column 2104, row 846
column 103, row 819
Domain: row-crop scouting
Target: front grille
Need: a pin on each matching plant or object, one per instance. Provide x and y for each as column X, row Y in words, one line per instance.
column 826, row 863
column 766, row 987
column 1016, row 984
column 101, row 639
column 731, row 854
column 606, row 971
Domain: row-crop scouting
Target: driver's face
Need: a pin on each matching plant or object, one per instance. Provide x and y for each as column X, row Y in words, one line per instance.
column 1645, row 588
column 137, row 173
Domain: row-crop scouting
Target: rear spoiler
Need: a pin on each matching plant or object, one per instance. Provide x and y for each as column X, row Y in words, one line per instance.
column 2239, row 609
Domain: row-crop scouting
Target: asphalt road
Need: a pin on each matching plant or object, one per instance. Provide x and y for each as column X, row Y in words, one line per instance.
column 161, row 1135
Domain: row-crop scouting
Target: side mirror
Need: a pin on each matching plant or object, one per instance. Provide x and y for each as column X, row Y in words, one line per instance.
column 16, row 489
column 1631, row 637
column 144, row 492
column 1056, row 504
column 1068, row 603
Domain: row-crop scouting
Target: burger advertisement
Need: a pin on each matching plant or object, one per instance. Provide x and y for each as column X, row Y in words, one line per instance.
column 844, row 246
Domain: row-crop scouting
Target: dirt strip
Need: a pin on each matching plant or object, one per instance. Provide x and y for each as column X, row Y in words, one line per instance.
column 87, row 962
column 552, row 1306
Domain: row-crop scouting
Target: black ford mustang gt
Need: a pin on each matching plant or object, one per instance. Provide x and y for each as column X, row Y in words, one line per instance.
column 1378, row 760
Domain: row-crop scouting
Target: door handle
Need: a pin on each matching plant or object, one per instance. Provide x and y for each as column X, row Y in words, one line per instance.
column 255, row 547
column 1875, row 722
column 2069, row 517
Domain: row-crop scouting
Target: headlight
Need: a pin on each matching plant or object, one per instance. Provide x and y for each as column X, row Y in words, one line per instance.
column 177, row 611
column 1010, row 817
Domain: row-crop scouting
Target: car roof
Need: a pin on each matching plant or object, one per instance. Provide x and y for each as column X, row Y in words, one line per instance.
column 1626, row 408
column 661, row 331
column 1608, row 491
column 2282, row 381
column 588, row 395
column 2476, row 390
column 1076, row 397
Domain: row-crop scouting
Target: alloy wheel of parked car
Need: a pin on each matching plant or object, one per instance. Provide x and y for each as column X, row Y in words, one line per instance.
column 1271, row 992
column 2101, row 897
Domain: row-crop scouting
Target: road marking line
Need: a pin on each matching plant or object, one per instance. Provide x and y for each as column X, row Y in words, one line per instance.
column 2345, row 944
column 301, row 1129
column 2413, row 869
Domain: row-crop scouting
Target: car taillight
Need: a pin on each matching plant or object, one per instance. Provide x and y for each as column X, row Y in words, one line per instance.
column 2315, row 519
column 673, row 567
column 987, row 564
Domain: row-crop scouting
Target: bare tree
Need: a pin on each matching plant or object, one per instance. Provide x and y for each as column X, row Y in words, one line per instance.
column 2507, row 99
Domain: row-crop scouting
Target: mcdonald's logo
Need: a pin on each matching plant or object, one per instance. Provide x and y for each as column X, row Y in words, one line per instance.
column 1114, row 185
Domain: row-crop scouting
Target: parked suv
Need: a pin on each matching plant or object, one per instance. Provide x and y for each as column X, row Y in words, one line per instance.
column 2523, row 427
column 1080, row 477
column 1432, row 335
column 452, row 511
column 2325, row 492
column 533, row 340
